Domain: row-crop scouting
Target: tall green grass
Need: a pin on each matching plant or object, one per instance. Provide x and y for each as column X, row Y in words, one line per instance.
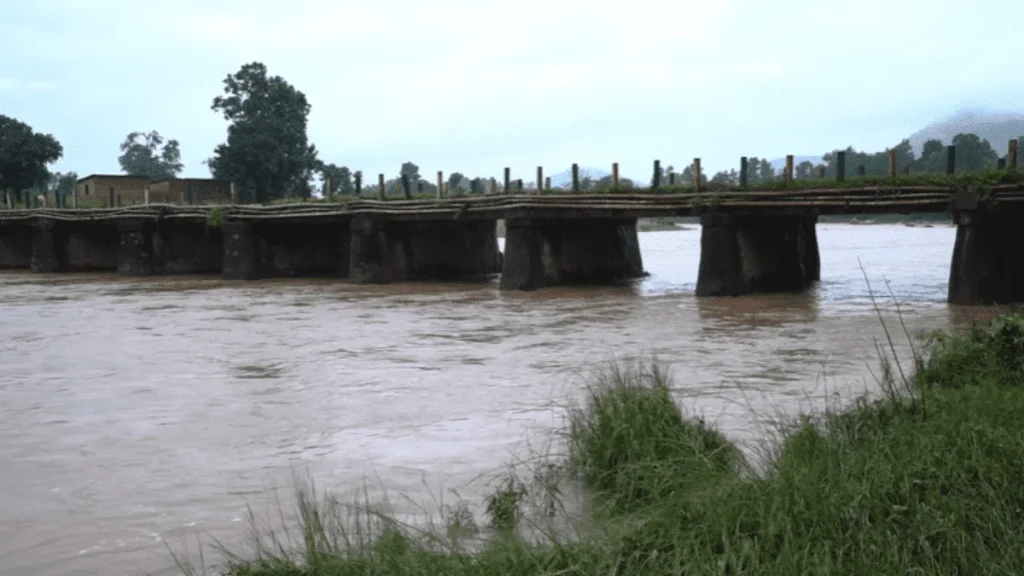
column 926, row 479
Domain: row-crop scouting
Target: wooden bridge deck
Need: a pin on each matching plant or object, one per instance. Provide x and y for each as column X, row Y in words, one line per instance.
column 641, row 204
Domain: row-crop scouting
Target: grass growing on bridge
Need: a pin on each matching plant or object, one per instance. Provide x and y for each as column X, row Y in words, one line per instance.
column 926, row 480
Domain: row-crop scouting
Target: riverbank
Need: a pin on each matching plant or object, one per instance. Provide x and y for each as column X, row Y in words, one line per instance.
column 925, row 479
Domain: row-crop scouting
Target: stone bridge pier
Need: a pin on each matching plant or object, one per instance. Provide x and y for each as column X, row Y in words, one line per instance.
column 383, row 251
column 15, row 245
column 987, row 265
column 757, row 253
column 541, row 252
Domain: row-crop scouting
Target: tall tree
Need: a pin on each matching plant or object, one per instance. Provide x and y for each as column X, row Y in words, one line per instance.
column 973, row 153
column 457, row 182
column 24, row 156
column 933, row 158
column 267, row 152
column 140, row 156
column 804, row 170
column 61, row 184
column 341, row 178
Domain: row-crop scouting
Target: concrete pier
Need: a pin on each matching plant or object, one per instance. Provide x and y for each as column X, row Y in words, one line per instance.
column 747, row 254
column 47, row 247
column 383, row 251
column 241, row 252
column 15, row 246
column 553, row 252
column 986, row 264
column 135, row 253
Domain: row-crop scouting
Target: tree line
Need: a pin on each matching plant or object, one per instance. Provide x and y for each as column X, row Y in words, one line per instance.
column 267, row 154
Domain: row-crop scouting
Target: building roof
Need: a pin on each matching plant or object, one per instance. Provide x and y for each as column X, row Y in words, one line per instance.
column 190, row 180
column 114, row 176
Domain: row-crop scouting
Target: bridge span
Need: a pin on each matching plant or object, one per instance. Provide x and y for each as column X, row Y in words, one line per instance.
column 751, row 241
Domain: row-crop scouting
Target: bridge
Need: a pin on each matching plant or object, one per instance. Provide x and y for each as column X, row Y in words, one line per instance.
column 752, row 241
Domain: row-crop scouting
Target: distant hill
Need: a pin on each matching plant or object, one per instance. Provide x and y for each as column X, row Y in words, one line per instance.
column 998, row 129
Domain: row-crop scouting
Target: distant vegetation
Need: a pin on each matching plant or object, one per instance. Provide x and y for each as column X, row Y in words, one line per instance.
column 923, row 480
column 139, row 156
column 267, row 153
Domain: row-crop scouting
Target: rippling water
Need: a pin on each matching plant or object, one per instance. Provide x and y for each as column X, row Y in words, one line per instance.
column 141, row 409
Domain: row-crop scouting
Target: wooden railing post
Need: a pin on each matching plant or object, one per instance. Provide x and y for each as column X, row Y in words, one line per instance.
column 575, row 177
column 696, row 174
column 508, row 179
column 381, row 188
column 406, row 186
column 440, row 184
column 74, row 198
column 892, row 163
column 359, row 182
column 519, row 185
column 840, row 166
column 233, row 191
column 671, row 178
column 950, row 159
column 540, row 178
column 547, row 183
column 1011, row 155
column 656, row 179
column 743, row 172
column 789, row 169
column 615, row 175
column 145, row 195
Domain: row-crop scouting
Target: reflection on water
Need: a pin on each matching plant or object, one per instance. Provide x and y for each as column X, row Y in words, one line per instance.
column 135, row 409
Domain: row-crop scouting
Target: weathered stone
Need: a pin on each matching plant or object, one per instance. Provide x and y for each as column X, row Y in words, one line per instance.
column 241, row 252
column 47, row 247
column 15, row 246
column 135, row 254
column 743, row 254
column 522, row 266
column 541, row 253
column 985, row 267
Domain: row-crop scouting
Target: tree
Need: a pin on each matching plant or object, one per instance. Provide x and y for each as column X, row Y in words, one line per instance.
column 61, row 184
column 341, row 179
column 140, row 158
column 726, row 178
column 933, row 158
column 973, row 153
column 456, row 182
column 267, row 152
column 804, row 170
column 24, row 155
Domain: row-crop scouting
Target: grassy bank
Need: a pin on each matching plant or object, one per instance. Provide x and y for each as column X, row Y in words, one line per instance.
column 928, row 479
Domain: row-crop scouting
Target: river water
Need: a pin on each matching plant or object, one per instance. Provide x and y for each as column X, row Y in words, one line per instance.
column 141, row 413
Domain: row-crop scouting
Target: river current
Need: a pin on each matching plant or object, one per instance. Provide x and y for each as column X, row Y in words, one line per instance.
column 141, row 413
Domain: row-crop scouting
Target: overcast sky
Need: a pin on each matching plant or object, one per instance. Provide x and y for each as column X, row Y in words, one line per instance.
column 476, row 85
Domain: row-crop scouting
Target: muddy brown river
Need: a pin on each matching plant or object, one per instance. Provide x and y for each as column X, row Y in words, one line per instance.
column 137, row 414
